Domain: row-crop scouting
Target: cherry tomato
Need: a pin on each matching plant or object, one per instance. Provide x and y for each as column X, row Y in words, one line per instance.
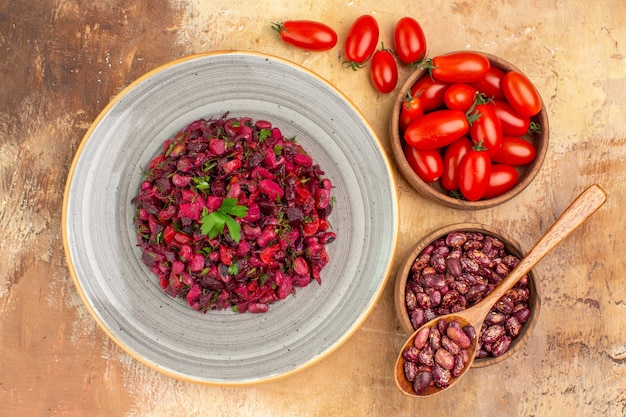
column 502, row 179
column 521, row 94
column 460, row 96
column 515, row 151
column 430, row 92
column 452, row 156
column 411, row 110
column 512, row 123
column 384, row 70
column 436, row 129
column 307, row 34
column 486, row 129
column 460, row 67
column 427, row 163
column 491, row 84
column 474, row 173
column 409, row 41
column 361, row 41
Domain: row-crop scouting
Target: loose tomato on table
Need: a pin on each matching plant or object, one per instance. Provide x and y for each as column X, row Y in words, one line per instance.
column 491, row 84
column 459, row 67
column 427, row 163
column 502, row 178
column 384, row 70
column 474, row 173
column 521, row 94
column 436, row 129
column 430, row 91
column 361, row 41
column 515, row 151
column 452, row 157
column 306, row 34
column 411, row 109
column 486, row 130
column 409, row 41
column 460, row 96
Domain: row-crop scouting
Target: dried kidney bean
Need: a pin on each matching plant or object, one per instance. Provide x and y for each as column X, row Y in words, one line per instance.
column 284, row 231
column 435, row 357
column 457, row 271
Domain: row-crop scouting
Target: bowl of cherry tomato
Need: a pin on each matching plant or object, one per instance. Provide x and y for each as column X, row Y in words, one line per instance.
column 469, row 130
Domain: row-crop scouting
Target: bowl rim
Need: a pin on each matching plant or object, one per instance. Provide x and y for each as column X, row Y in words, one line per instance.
column 511, row 244
column 530, row 171
column 384, row 278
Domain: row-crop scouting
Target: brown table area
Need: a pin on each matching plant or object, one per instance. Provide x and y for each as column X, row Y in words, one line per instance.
column 62, row 61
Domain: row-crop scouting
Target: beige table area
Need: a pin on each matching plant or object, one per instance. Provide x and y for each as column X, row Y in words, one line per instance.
column 62, row 61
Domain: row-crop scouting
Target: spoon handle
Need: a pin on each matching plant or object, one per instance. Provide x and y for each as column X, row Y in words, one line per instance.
column 576, row 213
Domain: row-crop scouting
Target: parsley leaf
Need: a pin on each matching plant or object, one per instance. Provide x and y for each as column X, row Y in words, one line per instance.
column 264, row 134
column 213, row 223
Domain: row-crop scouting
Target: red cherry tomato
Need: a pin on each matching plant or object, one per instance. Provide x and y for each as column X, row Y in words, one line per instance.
column 491, row 84
column 411, row 110
column 452, row 157
column 474, row 173
column 502, row 179
column 409, row 41
column 486, row 129
column 460, row 96
column 384, row 71
column 430, row 92
column 515, row 151
column 512, row 123
column 436, row 129
column 460, row 67
column 427, row 163
column 307, row 34
column 521, row 94
column 361, row 41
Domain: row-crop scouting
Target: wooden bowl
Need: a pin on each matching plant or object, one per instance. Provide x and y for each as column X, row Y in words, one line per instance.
column 511, row 246
column 434, row 190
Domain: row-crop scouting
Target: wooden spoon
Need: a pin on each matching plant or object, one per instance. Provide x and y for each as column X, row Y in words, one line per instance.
column 578, row 211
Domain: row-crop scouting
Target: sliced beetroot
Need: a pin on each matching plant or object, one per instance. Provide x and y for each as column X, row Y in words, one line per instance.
column 283, row 231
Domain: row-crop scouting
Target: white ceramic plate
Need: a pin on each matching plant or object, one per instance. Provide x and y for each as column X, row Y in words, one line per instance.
column 224, row 348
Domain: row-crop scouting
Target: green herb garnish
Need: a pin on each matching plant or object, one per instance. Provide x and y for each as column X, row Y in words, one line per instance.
column 213, row 223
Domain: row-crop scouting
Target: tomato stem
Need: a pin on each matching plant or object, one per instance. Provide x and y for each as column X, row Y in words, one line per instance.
column 278, row 27
column 353, row 65
column 382, row 47
column 479, row 147
column 409, row 97
column 472, row 114
column 481, row 98
column 534, row 127
column 418, row 63
column 427, row 64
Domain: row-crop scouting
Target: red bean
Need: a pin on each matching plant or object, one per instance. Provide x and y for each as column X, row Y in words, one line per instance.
column 434, row 358
column 423, row 381
column 457, row 271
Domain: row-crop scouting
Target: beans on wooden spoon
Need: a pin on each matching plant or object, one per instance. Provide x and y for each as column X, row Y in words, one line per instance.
column 578, row 211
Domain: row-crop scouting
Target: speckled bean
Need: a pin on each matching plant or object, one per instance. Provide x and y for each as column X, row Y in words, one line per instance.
column 458, row 270
column 434, row 357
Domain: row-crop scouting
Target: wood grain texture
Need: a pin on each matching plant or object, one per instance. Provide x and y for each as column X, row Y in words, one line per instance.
column 63, row 60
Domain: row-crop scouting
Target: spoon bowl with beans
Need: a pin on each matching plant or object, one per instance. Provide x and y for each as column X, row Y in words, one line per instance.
column 439, row 353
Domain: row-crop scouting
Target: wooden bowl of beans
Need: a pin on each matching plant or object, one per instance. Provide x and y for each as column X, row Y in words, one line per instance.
column 456, row 266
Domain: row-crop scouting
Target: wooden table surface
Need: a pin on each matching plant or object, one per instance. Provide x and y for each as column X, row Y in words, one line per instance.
column 62, row 61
